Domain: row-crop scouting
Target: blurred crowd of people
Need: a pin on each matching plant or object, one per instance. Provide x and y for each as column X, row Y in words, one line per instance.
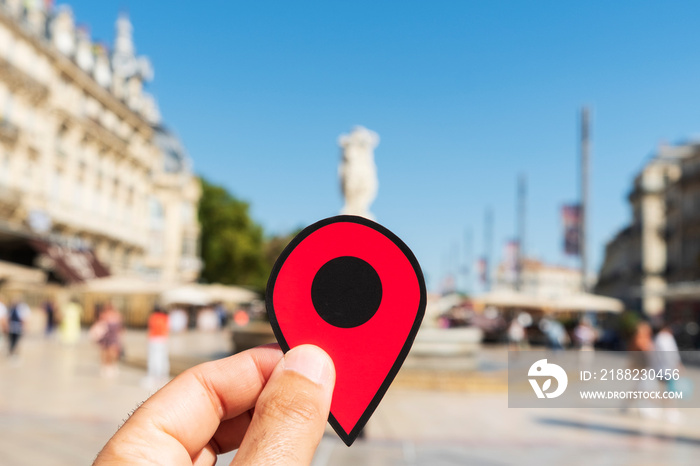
column 14, row 317
column 521, row 329
column 651, row 344
column 64, row 324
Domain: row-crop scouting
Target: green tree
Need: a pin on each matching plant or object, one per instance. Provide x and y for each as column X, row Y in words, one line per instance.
column 274, row 246
column 233, row 249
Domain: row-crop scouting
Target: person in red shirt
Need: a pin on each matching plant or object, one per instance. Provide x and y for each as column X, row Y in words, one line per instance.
column 158, row 359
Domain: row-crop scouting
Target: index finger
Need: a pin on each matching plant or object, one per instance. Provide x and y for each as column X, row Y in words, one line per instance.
column 191, row 407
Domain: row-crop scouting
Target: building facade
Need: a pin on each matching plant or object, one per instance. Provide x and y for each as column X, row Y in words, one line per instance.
column 539, row 279
column 88, row 172
column 661, row 247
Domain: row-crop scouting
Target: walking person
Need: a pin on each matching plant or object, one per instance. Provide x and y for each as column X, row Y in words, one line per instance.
column 3, row 318
column 158, row 358
column 107, row 333
column 667, row 360
column 17, row 316
column 555, row 333
column 221, row 314
column 50, row 311
column 516, row 335
column 585, row 335
column 641, row 347
column 70, row 322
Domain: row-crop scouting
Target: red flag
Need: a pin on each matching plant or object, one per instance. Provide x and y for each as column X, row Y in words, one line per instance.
column 571, row 218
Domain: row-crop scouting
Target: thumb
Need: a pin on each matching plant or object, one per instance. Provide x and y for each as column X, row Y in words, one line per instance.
column 292, row 410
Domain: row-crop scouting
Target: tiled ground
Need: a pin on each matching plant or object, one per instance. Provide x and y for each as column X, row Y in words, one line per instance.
column 56, row 410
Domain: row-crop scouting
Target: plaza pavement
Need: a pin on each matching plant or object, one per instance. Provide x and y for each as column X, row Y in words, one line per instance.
column 56, row 410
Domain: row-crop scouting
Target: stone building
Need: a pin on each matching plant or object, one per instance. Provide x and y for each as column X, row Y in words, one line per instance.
column 660, row 247
column 539, row 279
column 682, row 229
column 91, row 181
column 620, row 274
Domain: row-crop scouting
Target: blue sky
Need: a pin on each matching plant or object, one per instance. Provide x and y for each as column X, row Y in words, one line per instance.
column 464, row 95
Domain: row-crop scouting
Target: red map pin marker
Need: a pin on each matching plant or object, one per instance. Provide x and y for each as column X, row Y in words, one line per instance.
column 353, row 288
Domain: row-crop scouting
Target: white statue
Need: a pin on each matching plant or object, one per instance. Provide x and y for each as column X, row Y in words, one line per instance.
column 357, row 171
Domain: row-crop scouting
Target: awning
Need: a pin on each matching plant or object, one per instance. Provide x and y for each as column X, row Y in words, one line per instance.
column 197, row 294
column 229, row 294
column 191, row 295
column 71, row 265
column 123, row 285
column 568, row 302
column 585, row 302
column 509, row 298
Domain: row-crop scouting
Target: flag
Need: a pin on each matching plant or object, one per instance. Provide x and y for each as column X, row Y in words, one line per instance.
column 571, row 219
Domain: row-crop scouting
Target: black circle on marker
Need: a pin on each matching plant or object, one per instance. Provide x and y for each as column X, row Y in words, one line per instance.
column 346, row 292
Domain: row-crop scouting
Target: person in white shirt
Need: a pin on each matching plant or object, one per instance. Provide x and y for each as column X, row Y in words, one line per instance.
column 667, row 355
column 667, row 361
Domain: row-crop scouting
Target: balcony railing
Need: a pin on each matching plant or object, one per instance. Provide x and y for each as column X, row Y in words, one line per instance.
column 9, row 133
column 10, row 199
column 22, row 83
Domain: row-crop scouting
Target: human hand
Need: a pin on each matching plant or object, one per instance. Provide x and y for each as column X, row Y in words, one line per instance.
column 272, row 408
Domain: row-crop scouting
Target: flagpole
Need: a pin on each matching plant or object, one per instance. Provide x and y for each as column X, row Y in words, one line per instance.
column 468, row 253
column 488, row 245
column 521, row 232
column 585, row 148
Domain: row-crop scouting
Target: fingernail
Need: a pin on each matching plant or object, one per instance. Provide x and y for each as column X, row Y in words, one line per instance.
column 310, row 361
